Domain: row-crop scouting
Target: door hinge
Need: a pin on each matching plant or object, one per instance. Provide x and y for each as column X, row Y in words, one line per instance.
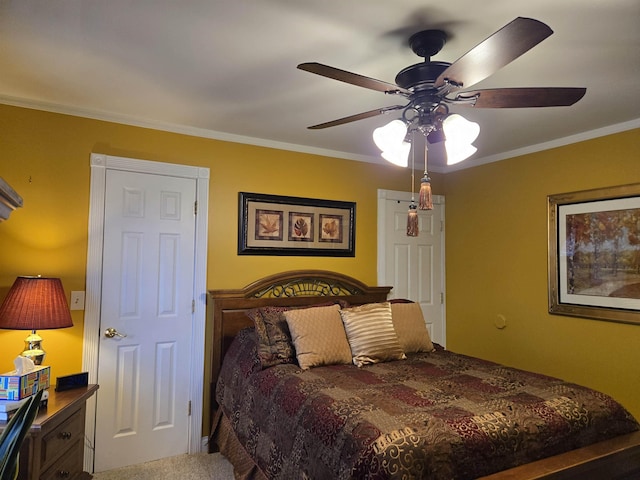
column 189, row 409
column 193, row 306
column 441, row 298
column 442, row 225
column 195, row 207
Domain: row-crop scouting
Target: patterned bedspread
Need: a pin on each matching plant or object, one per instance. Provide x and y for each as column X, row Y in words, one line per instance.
column 437, row 415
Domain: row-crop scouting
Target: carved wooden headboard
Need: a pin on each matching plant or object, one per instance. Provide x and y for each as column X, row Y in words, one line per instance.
column 294, row 288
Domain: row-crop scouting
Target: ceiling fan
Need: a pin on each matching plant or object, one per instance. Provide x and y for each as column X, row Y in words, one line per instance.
column 431, row 86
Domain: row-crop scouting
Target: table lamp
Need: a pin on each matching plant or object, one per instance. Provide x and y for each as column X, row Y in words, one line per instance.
column 35, row 303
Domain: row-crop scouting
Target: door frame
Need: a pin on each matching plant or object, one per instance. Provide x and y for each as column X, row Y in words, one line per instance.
column 91, row 338
column 400, row 196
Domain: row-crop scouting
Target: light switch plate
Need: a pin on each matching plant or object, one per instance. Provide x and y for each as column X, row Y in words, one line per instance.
column 77, row 301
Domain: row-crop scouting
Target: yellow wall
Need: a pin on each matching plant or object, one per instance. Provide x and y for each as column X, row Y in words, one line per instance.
column 496, row 247
column 45, row 157
column 496, row 234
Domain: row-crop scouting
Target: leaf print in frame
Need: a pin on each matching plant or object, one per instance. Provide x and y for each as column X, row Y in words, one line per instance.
column 269, row 225
column 300, row 227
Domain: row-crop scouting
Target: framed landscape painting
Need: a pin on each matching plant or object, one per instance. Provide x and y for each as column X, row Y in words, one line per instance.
column 282, row 225
column 594, row 254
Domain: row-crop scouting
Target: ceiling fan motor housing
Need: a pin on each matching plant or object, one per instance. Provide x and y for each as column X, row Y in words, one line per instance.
column 421, row 75
column 427, row 43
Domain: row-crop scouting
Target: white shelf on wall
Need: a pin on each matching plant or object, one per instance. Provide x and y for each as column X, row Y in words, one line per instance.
column 9, row 200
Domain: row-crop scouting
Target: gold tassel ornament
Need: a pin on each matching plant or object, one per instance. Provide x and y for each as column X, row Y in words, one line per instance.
column 412, row 221
column 426, row 198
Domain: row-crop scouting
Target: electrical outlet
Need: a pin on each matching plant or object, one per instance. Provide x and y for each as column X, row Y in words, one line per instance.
column 77, row 301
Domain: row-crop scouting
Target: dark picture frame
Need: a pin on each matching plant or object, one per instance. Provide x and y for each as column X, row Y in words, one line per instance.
column 283, row 225
column 594, row 254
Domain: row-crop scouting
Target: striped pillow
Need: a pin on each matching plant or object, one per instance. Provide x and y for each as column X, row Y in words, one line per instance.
column 371, row 335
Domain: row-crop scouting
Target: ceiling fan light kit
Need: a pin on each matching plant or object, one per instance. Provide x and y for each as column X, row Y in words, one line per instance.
column 399, row 155
column 390, row 139
column 458, row 129
column 430, row 87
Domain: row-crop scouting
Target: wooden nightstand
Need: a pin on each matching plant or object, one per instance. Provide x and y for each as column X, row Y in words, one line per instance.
column 54, row 448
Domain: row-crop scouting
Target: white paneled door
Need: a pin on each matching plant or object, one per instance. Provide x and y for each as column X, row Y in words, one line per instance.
column 413, row 266
column 145, row 319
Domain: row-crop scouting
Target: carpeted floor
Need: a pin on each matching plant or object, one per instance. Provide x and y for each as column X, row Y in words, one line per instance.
column 202, row 466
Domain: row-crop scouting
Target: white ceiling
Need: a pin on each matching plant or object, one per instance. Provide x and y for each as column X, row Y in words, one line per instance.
column 227, row 68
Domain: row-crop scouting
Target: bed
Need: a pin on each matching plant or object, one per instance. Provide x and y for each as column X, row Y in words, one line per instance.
column 429, row 413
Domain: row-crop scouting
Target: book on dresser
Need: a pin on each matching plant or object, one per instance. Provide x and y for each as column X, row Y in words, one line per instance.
column 9, row 407
column 6, row 416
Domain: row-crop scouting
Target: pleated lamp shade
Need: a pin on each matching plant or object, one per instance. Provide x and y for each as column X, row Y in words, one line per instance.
column 35, row 303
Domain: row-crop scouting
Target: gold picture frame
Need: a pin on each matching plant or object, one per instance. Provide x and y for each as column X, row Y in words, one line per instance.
column 283, row 225
column 594, row 254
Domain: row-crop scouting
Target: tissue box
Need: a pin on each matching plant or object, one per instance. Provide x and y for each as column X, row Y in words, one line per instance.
column 17, row 387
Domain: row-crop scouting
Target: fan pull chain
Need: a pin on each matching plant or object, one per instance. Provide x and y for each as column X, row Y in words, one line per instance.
column 426, row 198
column 412, row 218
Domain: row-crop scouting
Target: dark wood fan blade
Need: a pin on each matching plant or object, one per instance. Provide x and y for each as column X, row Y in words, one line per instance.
column 354, row 118
column 521, row 97
column 501, row 48
column 352, row 78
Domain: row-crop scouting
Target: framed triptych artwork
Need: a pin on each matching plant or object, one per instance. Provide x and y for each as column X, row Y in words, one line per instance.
column 281, row 225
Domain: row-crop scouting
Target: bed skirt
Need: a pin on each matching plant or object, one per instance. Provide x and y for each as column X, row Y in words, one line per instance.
column 224, row 437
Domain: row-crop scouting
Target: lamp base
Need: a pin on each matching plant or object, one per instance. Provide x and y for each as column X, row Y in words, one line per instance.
column 33, row 348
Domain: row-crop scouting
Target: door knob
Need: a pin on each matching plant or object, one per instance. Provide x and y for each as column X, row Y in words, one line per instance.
column 112, row 332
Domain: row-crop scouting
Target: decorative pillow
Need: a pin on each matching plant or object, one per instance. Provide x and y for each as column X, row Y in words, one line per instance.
column 371, row 335
column 274, row 339
column 318, row 336
column 411, row 328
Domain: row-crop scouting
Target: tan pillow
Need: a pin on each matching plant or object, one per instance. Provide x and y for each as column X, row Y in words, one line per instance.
column 371, row 334
column 411, row 328
column 318, row 336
